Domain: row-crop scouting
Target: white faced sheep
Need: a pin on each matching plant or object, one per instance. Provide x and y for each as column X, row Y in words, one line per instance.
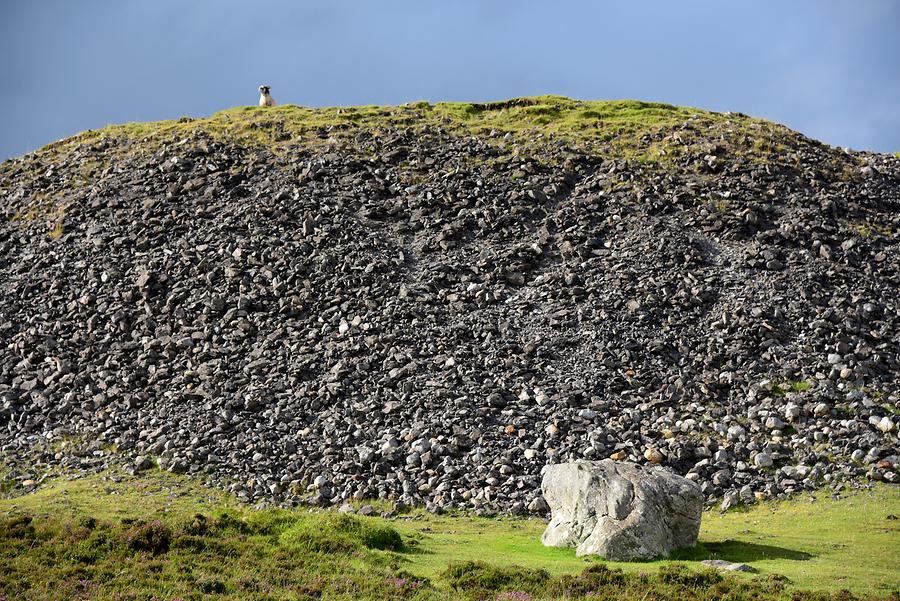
column 265, row 98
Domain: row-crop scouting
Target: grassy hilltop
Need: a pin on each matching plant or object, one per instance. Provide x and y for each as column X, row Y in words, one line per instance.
column 620, row 123
column 615, row 128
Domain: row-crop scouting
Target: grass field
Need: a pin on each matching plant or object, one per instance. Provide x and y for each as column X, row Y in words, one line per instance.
column 821, row 544
column 164, row 537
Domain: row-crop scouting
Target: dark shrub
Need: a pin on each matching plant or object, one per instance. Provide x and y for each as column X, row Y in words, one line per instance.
column 225, row 522
column 601, row 575
column 91, row 547
column 154, row 537
column 480, row 576
column 87, row 522
column 771, row 583
column 18, row 526
column 211, row 586
column 592, row 579
column 681, row 575
column 248, row 584
column 822, row 596
column 198, row 525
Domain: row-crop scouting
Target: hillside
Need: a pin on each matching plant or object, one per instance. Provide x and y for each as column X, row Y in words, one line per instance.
column 428, row 303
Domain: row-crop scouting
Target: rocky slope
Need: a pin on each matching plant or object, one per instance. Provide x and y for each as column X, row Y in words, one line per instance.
column 430, row 303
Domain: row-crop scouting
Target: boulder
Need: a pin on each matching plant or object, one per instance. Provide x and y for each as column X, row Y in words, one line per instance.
column 727, row 566
column 620, row 511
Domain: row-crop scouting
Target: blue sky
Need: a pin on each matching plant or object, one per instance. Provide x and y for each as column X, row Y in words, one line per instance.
column 828, row 68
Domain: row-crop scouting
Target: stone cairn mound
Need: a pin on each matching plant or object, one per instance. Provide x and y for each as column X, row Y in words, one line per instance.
column 431, row 317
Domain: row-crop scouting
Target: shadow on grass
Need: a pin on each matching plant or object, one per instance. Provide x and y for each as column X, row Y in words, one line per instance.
column 739, row 552
column 413, row 545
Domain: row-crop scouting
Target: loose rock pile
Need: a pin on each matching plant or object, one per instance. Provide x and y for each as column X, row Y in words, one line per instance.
column 430, row 317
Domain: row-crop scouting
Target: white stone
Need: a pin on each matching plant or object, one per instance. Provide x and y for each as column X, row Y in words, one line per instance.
column 735, row 432
column 774, row 423
column 792, row 411
column 620, row 511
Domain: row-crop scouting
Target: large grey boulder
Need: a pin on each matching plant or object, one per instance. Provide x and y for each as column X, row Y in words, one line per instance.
column 620, row 511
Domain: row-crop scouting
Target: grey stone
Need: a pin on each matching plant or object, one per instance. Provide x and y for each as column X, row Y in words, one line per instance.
column 792, row 411
column 721, row 564
column 763, row 460
column 538, row 505
column 732, row 499
column 774, row 423
column 620, row 511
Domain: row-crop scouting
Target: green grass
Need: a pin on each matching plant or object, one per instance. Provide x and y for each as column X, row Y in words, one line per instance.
column 161, row 536
column 573, row 119
column 335, row 533
column 276, row 126
column 870, row 230
column 822, row 545
column 783, row 388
